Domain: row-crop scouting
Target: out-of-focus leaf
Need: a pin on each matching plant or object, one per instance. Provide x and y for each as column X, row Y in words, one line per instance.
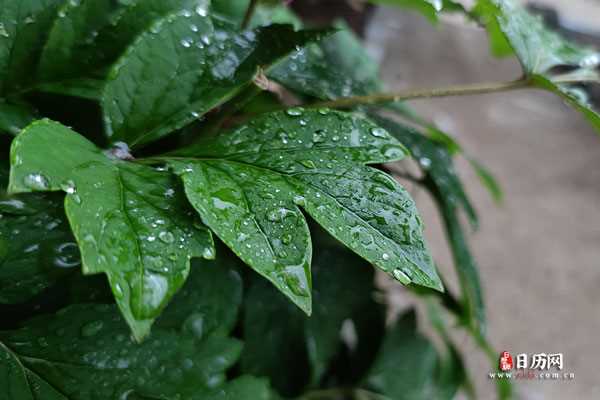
column 131, row 222
column 84, row 352
column 408, row 366
column 302, row 348
column 24, row 25
column 541, row 51
column 193, row 65
column 14, row 117
column 39, row 247
column 337, row 66
column 247, row 184
column 448, row 192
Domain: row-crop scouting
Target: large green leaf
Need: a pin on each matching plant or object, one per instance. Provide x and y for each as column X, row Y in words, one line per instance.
column 302, row 348
column 91, row 34
column 130, row 221
column 84, row 352
column 247, row 183
column 408, row 366
column 447, row 190
column 193, row 65
column 23, row 30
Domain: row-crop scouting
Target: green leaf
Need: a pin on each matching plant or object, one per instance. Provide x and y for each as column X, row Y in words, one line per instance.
column 253, row 212
column 91, row 34
column 39, row 246
column 488, row 180
column 131, row 221
column 575, row 97
column 343, row 283
column 538, row 49
column 429, row 8
column 261, row 171
column 14, row 117
column 193, row 66
column 335, row 67
column 84, row 352
column 448, row 192
column 23, row 31
column 541, row 51
column 409, row 367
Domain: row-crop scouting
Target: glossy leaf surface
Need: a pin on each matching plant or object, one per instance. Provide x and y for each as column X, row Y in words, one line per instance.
column 194, row 66
column 311, row 159
column 130, row 221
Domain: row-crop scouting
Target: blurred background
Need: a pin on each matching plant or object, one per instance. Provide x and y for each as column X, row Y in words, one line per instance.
column 538, row 252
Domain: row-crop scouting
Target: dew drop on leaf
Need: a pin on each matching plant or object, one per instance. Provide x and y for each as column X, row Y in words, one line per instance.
column 91, row 328
column 36, row 182
column 379, row 132
column 401, row 276
column 166, row 237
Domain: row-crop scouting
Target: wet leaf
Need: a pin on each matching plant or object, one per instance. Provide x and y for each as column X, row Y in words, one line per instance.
column 408, row 365
column 544, row 54
column 131, row 221
column 89, row 35
column 302, row 348
column 23, row 30
column 311, row 159
column 194, row 66
column 39, row 247
column 84, row 352
column 337, row 66
column 448, row 192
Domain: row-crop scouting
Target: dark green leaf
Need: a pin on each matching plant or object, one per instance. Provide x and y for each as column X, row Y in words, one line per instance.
column 23, row 29
column 447, row 190
column 261, row 171
column 337, row 66
column 39, row 246
column 91, row 34
column 343, row 283
column 84, row 352
column 130, row 221
column 14, row 117
column 193, row 66
column 409, row 367
column 488, row 180
column 84, row 88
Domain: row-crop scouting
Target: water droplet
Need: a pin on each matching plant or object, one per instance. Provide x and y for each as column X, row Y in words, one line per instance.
column 186, row 42
column 590, row 61
column 401, row 276
column 323, row 111
column 379, row 132
column 385, row 256
column 3, row 31
column 208, row 253
column 68, row 187
column 170, row 192
column 294, row 112
column 67, row 255
column 425, row 162
column 194, row 324
column 308, row 164
column 166, row 237
column 36, row 182
column 300, row 200
column 201, row 10
column 91, row 328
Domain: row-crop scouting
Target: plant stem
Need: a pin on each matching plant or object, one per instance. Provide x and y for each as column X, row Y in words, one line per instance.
column 249, row 13
column 411, row 94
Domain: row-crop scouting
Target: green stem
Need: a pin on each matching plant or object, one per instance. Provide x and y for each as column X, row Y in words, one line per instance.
column 249, row 13
column 411, row 94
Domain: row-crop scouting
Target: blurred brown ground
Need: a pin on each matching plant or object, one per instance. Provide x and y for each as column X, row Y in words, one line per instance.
column 539, row 252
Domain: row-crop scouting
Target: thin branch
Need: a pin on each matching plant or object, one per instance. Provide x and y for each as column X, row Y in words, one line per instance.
column 411, row 94
column 249, row 13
